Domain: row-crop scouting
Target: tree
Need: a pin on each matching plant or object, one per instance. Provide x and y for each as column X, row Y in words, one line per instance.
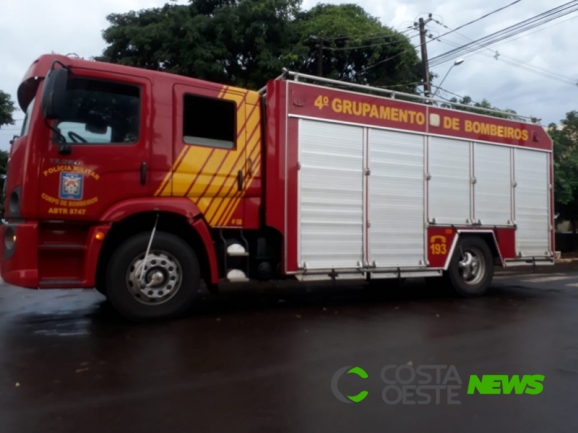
column 565, row 138
column 247, row 42
column 474, row 107
column 6, row 109
column 355, row 47
column 3, row 163
column 231, row 42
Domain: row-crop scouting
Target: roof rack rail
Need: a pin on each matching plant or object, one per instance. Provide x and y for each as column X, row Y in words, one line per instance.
column 393, row 93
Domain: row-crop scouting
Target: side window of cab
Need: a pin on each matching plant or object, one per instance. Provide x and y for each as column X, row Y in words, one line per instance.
column 209, row 122
column 100, row 112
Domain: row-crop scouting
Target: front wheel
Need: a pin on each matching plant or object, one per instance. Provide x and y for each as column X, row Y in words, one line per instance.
column 161, row 285
column 471, row 269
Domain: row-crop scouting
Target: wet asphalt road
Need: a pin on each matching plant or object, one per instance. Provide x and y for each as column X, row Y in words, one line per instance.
column 261, row 359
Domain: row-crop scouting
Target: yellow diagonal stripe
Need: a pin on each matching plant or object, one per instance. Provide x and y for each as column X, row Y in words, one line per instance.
column 209, row 174
column 216, row 212
column 254, row 153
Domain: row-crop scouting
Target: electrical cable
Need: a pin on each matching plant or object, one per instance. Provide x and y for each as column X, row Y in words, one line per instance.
column 497, row 55
column 462, row 26
column 481, row 18
column 368, row 46
column 506, row 33
column 530, row 68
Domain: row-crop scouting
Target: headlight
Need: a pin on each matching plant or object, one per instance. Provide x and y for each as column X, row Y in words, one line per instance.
column 9, row 238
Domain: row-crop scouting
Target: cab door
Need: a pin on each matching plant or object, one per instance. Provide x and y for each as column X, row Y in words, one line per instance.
column 210, row 151
column 100, row 153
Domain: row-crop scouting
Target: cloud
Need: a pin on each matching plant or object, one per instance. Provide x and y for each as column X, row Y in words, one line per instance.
column 505, row 82
column 33, row 27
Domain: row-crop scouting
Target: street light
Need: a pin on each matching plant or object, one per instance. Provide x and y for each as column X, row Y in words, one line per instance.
column 456, row 63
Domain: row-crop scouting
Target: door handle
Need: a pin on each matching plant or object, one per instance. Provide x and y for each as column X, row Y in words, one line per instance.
column 143, row 173
column 240, row 180
column 250, row 167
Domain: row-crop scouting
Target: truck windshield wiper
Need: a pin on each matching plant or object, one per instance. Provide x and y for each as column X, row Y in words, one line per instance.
column 61, row 138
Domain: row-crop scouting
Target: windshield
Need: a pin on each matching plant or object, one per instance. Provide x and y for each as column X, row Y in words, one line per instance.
column 99, row 112
column 26, row 124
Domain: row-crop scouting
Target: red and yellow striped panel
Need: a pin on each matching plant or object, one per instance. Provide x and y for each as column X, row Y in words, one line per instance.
column 208, row 176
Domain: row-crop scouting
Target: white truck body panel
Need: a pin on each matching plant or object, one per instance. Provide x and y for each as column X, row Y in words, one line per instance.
column 493, row 189
column 396, row 199
column 330, row 194
column 532, row 202
column 349, row 217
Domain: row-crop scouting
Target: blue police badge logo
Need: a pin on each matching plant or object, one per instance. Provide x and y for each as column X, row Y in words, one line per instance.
column 71, row 185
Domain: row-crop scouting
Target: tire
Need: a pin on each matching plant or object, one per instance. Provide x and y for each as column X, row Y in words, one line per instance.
column 171, row 270
column 467, row 279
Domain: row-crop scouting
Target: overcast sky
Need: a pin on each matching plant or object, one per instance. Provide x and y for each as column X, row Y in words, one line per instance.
column 30, row 28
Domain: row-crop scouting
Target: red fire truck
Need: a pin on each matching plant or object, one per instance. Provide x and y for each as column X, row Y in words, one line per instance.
column 141, row 184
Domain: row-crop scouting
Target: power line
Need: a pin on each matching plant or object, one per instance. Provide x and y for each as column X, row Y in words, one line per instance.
column 515, row 39
column 479, row 106
column 508, row 32
column 420, row 25
column 369, row 46
column 509, row 60
column 454, row 94
column 480, row 18
column 539, row 30
column 527, row 67
column 405, row 51
column 367, row 37
column 385, row 60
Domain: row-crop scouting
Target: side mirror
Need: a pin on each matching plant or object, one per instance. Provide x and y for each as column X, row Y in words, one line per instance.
column 54, row 94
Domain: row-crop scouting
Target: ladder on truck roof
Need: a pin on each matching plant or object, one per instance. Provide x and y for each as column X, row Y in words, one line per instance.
column 394, row 93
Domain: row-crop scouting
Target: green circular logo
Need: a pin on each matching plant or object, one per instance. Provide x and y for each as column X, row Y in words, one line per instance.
column 335, row 381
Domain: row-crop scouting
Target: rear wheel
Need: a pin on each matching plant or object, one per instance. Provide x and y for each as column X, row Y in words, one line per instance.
column 471, row 269
column 161, row 285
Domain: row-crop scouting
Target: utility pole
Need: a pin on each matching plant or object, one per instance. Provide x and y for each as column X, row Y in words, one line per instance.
column 424, row 60
column 319, row 47
column 320, row 57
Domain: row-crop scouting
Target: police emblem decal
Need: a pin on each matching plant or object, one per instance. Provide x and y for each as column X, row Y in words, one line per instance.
column 71, row 185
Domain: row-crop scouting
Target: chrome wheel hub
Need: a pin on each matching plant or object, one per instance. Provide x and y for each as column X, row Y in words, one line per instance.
column 472, row 266
column 154, row 279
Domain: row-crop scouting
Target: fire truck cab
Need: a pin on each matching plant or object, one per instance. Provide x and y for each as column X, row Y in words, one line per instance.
column 141, row 184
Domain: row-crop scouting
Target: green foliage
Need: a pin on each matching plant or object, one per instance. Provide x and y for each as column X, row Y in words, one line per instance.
column 474, row 107
column 232, row 42
column 247, row 42
column 356, row 47
column 565, row 138
column 6, row 109
column 3, row 162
